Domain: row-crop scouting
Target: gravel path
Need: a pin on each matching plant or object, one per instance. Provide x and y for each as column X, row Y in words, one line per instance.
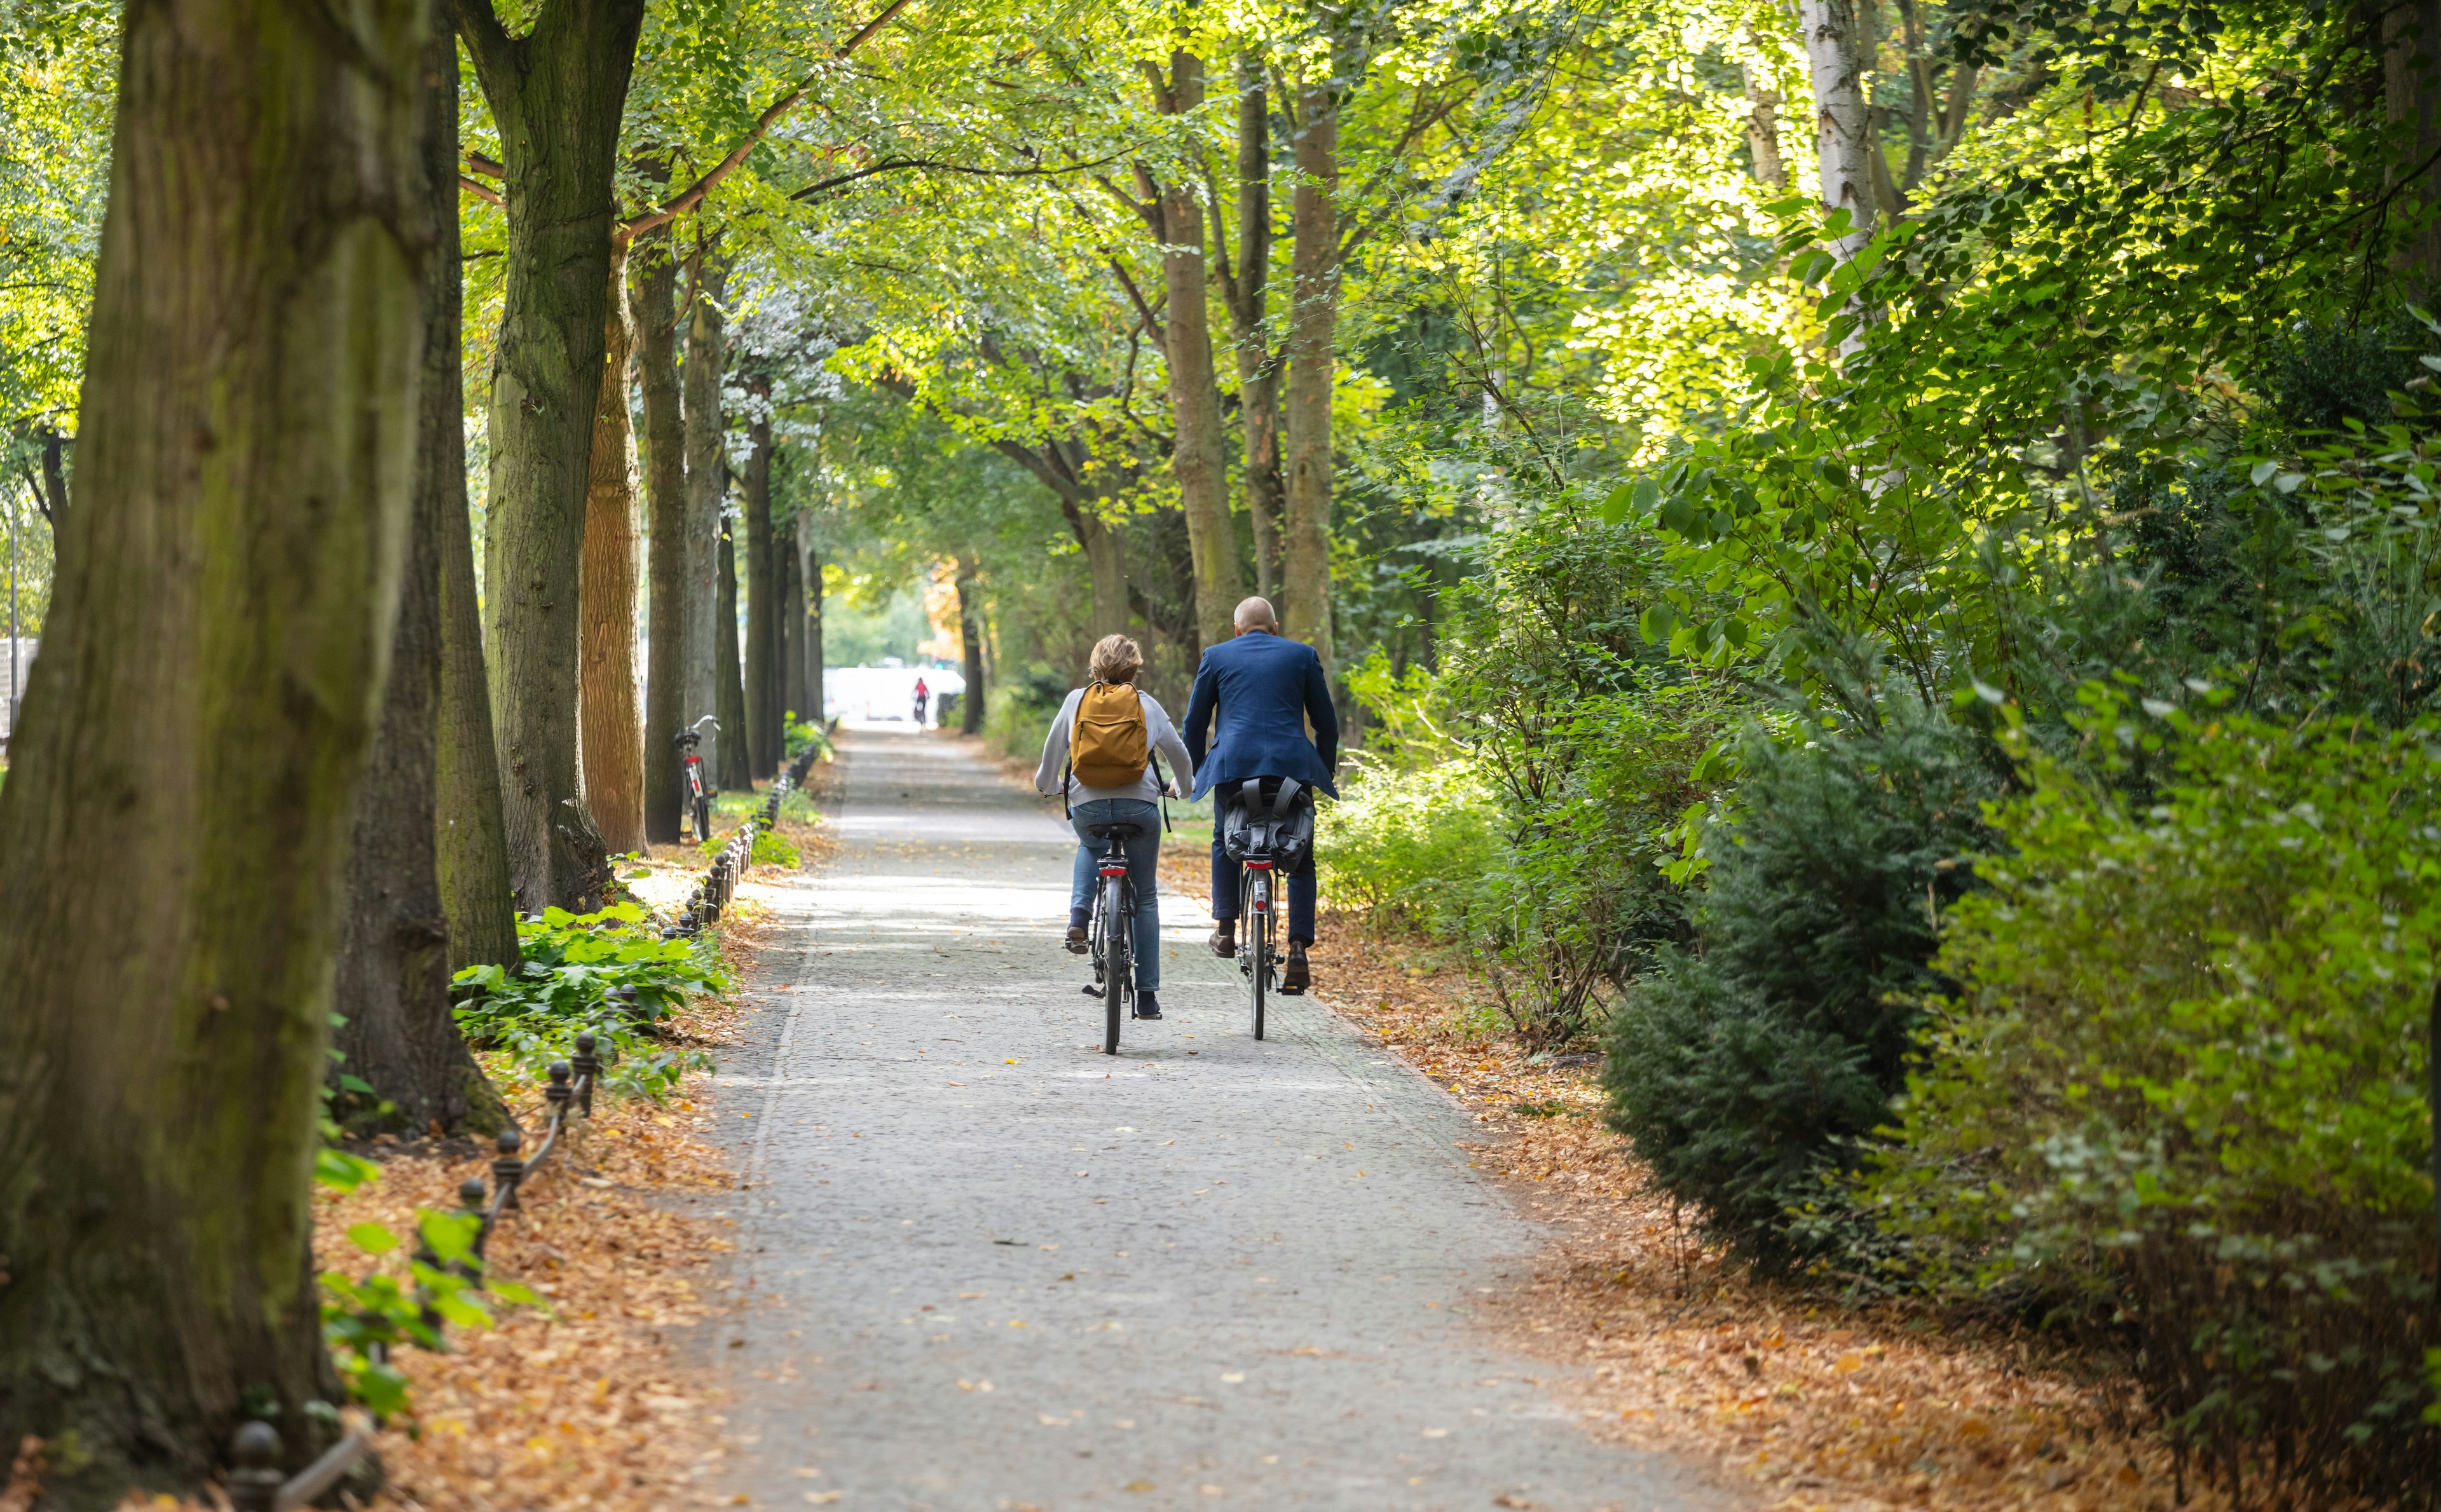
column 988, row 1267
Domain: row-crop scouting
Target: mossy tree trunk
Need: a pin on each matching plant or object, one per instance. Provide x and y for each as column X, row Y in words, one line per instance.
column 1312, row 358
column 762, row 695
column 396, row 1035
column 735, row 767
column 177, row 815
column 1247, row 288
column 809, row 566
column 670, row 610
column 1199, row 452
column 611, row 729
column 558, row 94
column 793, row 630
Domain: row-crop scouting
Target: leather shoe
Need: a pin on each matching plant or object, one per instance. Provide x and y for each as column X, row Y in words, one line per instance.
column 1076, row 939
column 1296, row 977
column 1225, row 941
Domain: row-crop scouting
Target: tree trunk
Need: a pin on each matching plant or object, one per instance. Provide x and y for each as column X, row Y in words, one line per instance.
column 1106, row 559
column 2410, row 78
column 1312, row 354
column 1258, row 372
column 762, row 598
column 397, row 1037
column 970, row 638
column 558, row 94
column 177, row 817
column 613, row 735
column 471, row 852
column 809, row 563
column 737, row 765
column 791, row 601
column 1197, row 457
column 1763, row 126
column 670, row 613
column 1843, row 134
column 707, row 469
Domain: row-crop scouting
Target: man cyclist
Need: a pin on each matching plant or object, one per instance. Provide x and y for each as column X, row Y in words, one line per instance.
column 1262, row 689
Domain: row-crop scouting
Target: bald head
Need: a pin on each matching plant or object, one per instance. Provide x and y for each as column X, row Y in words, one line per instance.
column 1256, row 614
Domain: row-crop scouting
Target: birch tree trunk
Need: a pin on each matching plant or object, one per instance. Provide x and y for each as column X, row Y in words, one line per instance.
column 1763, row 126
column 611, row 729
column 1843, row 134
column 1197, row 455
column 1312, row 357
column 177, row 817
column 671, row 610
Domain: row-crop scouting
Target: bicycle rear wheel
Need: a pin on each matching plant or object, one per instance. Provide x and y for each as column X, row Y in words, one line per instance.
column 702, row 818
column 1118, row 978
column 1255, row 959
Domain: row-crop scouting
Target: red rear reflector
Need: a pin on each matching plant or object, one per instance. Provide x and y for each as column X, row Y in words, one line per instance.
column 1114, row 870
column 1258, row 866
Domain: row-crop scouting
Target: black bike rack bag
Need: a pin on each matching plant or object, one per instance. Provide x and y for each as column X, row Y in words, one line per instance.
column 1274, row 826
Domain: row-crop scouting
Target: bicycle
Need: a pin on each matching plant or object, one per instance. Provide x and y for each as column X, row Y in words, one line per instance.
column 1111, row 934
column 1268, row 830
column 695, row 785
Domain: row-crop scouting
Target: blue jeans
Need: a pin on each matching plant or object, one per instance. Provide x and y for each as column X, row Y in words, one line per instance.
column 1143, row 855
column 1303, row 889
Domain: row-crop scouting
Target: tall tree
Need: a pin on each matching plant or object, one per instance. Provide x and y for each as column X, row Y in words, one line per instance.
column 670, row 608
column 763, row 693
column 612, row 737
column 558, row 94
column 737, row 762
column 1844, row 145
column 792, row 609
column 970, row 640
column 1198, row 457
column 396, row 1033
column 707, row 475
column 809, row 563
column 212, row 673
column 1312, row 346
column 1247, row 290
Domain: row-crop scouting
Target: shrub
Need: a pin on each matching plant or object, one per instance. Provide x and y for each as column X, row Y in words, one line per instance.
column 771, row 848
column 1412, row 845
column 562, row 988
column 1747, row 1069
column 2180, row 1089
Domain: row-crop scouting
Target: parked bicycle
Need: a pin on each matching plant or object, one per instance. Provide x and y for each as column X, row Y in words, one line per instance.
column 1111, row 933
column 695, row 781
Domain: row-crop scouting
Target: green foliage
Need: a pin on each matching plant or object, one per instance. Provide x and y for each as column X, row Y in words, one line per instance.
column 1411, row 846
column 771, row 848
column 1747, row 1069
column 2181, row 1086
column 562, row 988
column 801, row 735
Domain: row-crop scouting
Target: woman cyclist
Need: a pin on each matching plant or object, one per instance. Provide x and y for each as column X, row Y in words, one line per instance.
column 1134, row 800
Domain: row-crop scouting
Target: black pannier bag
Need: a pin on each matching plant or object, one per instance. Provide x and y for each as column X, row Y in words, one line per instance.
column 1270, row 819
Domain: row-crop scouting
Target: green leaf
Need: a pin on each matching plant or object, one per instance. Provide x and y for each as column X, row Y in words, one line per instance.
column 372, row 1238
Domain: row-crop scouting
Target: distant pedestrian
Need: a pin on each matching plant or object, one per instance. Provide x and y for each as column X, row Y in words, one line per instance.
column 922, row 693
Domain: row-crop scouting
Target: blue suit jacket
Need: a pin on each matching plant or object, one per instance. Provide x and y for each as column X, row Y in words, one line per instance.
column 1263, row 688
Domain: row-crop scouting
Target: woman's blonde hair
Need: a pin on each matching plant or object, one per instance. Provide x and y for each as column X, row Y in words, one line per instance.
column 1116, row 659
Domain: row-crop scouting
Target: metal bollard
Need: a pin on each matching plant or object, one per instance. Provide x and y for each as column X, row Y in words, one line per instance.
column 254, row 1484
column 587, row 1066
column 470, row 1201
column 558, row 1092
column 507, row 1169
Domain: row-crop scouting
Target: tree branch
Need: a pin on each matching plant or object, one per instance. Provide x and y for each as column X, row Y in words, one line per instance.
column 488, row 42
column 481, row 192
column 693, row 195
column 892, row 165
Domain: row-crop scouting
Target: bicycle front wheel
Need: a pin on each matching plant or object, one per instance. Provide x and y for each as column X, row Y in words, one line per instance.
column 1118, row 980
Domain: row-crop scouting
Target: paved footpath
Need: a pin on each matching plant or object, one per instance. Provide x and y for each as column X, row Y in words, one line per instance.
column 988, row 1267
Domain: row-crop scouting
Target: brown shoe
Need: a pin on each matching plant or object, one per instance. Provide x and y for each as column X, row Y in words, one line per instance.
column 1225, row 940
column 1296, row 977
column 1076, row 939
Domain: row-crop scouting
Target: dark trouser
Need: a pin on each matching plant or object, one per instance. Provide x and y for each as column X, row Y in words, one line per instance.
column 1224, row 874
